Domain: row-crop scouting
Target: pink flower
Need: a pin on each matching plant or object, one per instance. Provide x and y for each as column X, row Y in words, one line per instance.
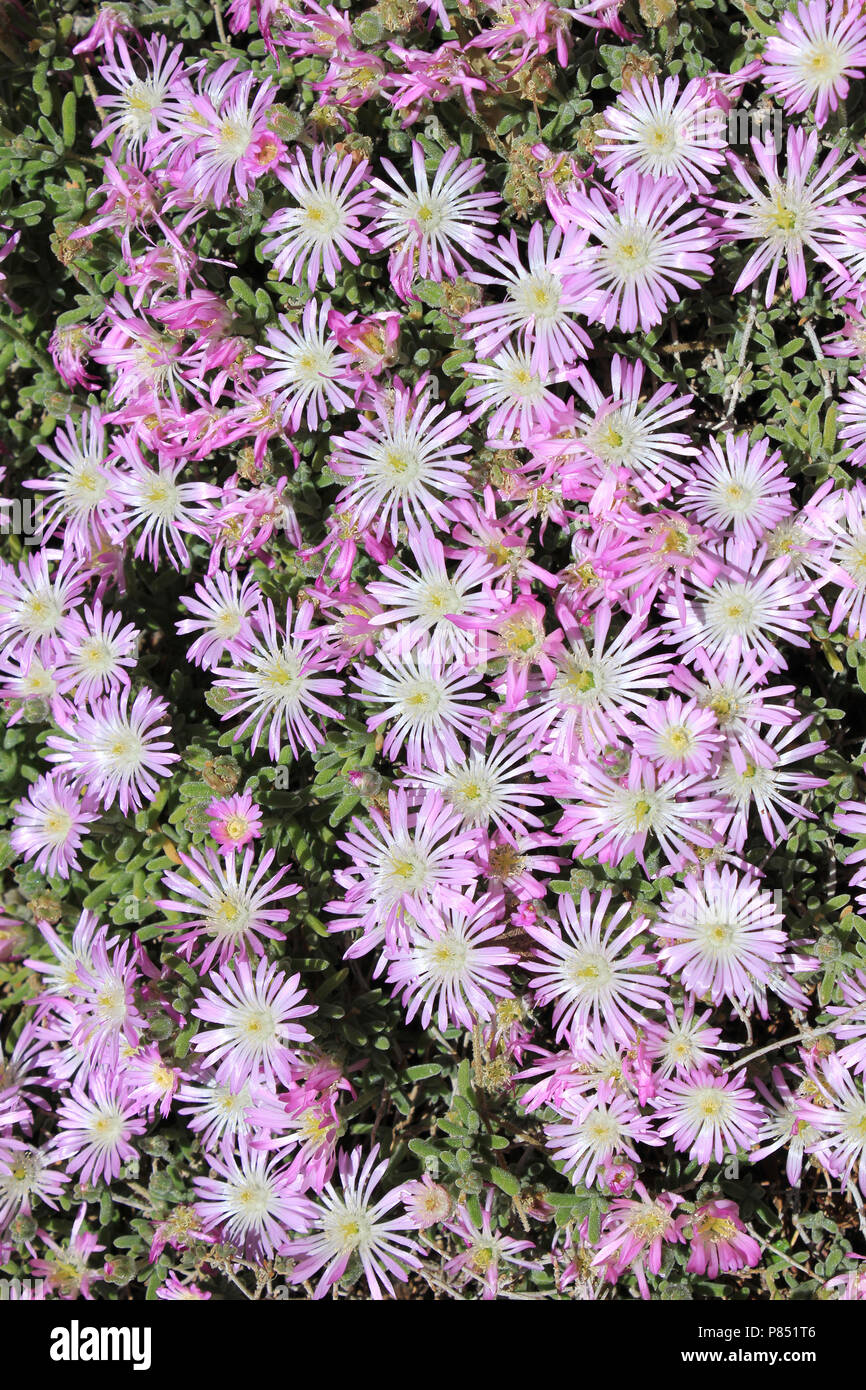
column 599, row 982
column 348, row 1222
column 720, row 935
column 401, row 462
column 50, row 824
column 433, row 228
column 233, row 906
column 595, row 1130
column 427, row 1202
column 324, row 227
column 254, row 1020
column 805, row 208
column 542, row 301
column 634, row 1233
column 307, row 374
column 656, row 130
column 644, row 248
column 812, row 54
column 234, row 821
column 452, row 965
column 707, row 1114
column 115, row 749
column 488, row 1251
column 720, row 1242
column 254, row 1200
column 94, row 1128
column 282, row 681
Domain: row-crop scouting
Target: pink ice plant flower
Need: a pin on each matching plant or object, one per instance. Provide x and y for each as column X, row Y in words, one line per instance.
column 230, row 904
column 234, row 821
column 350, row 1223
column 115, row 749
column 720, row 1243
column 814, row 51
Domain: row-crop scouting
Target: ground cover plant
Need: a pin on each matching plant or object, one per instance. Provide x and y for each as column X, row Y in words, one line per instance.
column 432, row 650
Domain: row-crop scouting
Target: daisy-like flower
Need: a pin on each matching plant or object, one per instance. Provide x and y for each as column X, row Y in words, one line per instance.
column 223, row 136
column 106, row 1022
column 234, row 821
column 720, row 934
column 97, row 653
column 452, row 968
column 26, row 681
column 49, row 825
column 734, row 690
column 71, row 961
column 427, row 1202
column 219, row 1113
column 519, row 397
column 307, row 368
column 593, row 1130
column 678, row 736
column 433, row 228
column 743, row 488
column 486, row 788
column 429, row 703
column 114, row 749
column 542, row 300
column 144, row 98
column 812, row 54
column 165, row 508
column 852, row 419
column 612, row 818
column 323, row 228
column 708, row 1114
column 349, row 1224
column 658, row 131
column 222, row 610
column 759, row 776
column 95, row 1126
column 838, row 1117
column 144, row 360
column 313, row 1127
column 683, row 1042
column 720, row 1242
column 233, row 907
column 597, row 685
column 65, row 1268
column 634, row 1233
column 255, row 1021
column 599, row 982
column 783, row 1126
column 78, row 485
column 400, row 863
column 644, row 248
column 282, row 681
column 152, row 1083
column 254, row 1200
column 805, row 208
column 424, row 598
column 511, row 864
column 851, row 1014
column 752, row 603
column 27, row 1176
column 487, row 1249
column 401, row 462
column 34, row 602
column 627, row 429
column 848, row 561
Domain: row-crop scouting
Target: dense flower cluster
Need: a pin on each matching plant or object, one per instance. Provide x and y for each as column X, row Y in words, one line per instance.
column 545, row 620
